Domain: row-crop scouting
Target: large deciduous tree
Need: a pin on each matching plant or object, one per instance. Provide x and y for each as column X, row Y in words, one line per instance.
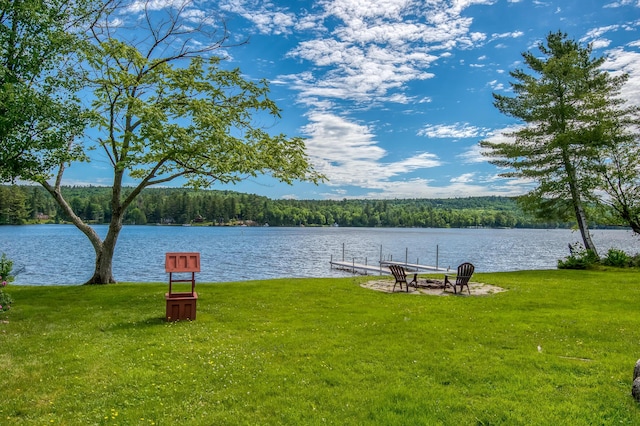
column 567, row 106
column 165, row 108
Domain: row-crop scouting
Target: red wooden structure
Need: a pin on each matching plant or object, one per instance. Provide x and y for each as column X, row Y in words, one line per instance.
column 181, row 305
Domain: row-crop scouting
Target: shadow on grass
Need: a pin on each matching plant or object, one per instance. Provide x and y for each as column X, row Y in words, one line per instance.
column 130, row 325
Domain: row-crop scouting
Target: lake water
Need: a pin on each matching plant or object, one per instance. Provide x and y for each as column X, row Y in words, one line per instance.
column 61, row 254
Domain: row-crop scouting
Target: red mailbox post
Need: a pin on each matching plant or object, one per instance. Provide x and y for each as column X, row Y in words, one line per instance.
column 181, row 305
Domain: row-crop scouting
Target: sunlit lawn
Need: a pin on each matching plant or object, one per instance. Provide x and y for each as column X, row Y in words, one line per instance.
column 558, row 347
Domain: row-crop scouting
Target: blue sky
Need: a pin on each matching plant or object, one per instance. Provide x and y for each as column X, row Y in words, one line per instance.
column 393, row 96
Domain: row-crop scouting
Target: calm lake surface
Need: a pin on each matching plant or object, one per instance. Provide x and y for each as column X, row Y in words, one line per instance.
column 61, row 254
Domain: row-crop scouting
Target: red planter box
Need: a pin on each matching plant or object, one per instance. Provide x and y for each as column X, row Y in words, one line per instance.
column 181, row 306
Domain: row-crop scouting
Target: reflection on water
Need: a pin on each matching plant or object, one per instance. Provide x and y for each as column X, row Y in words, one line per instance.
column 61, row 254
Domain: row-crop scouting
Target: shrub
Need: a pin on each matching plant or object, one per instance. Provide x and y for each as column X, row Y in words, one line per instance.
column 6, row 266
column 579, row 258
column 634, row 261
column 617, row 258
column 5, row 298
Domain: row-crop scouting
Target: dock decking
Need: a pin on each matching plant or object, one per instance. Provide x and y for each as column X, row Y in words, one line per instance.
column 360, row 268
column 382, row 267
column 415, row 266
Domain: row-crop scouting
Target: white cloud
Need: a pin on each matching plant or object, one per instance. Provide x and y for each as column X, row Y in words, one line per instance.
column 376, row 47
column 496, row 85
column 595, row 36
column 421, row 188
column 461, row 186
column 622, row 3
column 512, row 34
column 347, row 153
column 463, row 178
column 598, row 32
column 600, row 43
column 140, row 6
column 624, row 61
column 456, row 131
column 473, row 155
column 267, row 18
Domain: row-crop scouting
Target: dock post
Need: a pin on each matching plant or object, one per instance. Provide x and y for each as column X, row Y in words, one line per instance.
column 331, row 261
column 437, row 254
column 406, row 256
column 343, row 252
column 380, row 263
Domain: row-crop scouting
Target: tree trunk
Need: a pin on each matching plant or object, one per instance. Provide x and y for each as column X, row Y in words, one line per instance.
column 633, row 220
column 584, row 228
column 576, row 200
column 103, row 273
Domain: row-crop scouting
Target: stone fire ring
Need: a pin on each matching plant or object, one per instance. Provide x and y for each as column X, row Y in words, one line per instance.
column 431, row 287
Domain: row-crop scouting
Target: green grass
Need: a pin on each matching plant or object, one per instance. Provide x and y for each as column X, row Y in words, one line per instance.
column 326, row 351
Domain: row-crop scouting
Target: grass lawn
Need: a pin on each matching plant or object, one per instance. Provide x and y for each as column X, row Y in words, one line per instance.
column 558, row 347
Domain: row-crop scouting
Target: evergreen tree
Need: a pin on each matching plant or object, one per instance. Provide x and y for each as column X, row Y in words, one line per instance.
column 560, row 103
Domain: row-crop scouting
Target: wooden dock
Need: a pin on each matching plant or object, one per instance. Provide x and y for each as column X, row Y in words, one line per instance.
column 359, row 268
column 382, row 267
column 414, row 266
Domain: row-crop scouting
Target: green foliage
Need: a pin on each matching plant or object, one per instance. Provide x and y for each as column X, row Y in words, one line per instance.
column 177, row 206
column 5, row 298
column 26, row 204
column 579, row 258
column 617, row 258
column 558, row 347
column 6, row 267
column 39, row 74
column 634, row 261
column 585, row 259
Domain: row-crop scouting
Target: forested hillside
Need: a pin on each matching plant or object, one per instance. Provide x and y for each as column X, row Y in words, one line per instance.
column 30, row 204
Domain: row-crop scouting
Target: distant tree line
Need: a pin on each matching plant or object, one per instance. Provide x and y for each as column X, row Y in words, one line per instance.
column 31, row 204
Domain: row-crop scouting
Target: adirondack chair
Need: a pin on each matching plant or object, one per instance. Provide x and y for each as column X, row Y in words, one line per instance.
column 462, row 277
column 401, row 277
